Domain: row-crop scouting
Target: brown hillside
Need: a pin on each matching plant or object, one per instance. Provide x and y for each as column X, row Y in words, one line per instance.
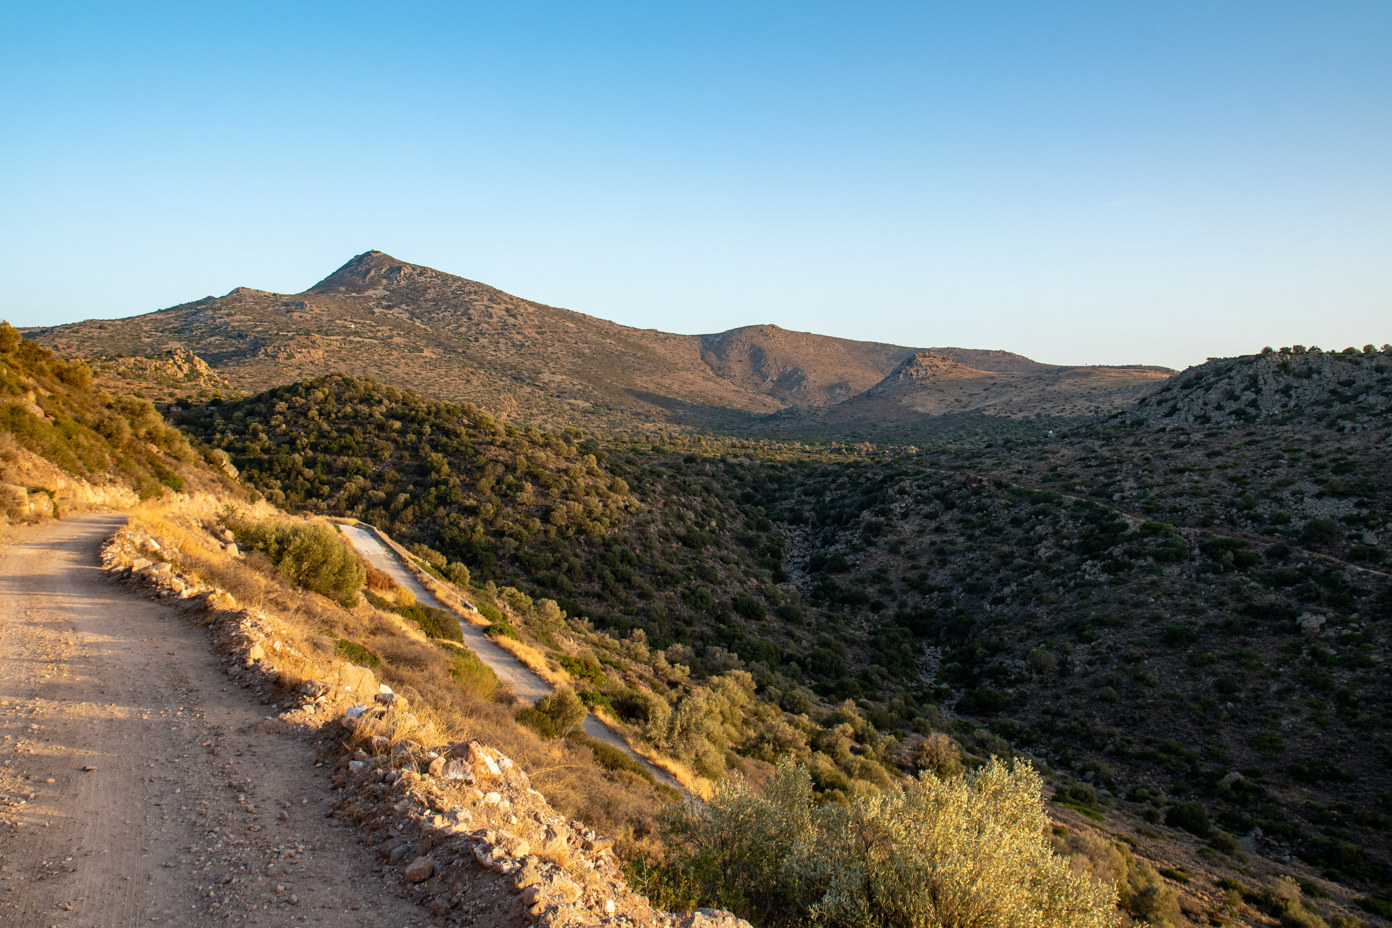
column 932, row 384
column 448, row 337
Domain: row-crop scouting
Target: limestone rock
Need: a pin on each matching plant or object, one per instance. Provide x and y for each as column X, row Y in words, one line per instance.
column 419, row 870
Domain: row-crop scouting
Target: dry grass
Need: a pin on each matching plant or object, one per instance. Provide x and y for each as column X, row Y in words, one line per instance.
column 535, row 661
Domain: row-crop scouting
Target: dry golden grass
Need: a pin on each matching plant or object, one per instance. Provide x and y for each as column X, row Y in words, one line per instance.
column 535, row 661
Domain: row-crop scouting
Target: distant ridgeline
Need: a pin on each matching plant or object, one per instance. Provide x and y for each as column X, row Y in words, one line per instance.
column 455, row 339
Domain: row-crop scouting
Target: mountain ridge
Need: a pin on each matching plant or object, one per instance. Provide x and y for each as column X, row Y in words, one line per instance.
column 416, row 327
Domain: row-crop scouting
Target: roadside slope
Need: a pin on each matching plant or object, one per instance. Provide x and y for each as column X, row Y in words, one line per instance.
column 522, row 680
column 140, row 786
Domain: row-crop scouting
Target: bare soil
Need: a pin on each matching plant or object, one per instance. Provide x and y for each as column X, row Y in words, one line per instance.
column 138, row 785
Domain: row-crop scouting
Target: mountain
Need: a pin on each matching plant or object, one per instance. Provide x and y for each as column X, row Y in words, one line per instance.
column 456, row 339
column 929, row 388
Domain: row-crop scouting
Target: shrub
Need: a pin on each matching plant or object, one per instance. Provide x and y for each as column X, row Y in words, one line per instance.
column 612, row 758
column 429, row 555
column 313, row 556
column 436, row 623
column 9, row 338
column 1191, row 817
column 938, row 755
column 1282, row 899
column 355, row 653
column 473, row 675
column 538, row 722
column 1321, row 531
column 1225, row 843
column 965, row 851
column 984, row 701
column 564, row 708
column 1375, row 905
column 503, row 629
column 583, row 668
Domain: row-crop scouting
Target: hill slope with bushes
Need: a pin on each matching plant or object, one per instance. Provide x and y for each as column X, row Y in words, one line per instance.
column 1105, row 600
column 64, row 442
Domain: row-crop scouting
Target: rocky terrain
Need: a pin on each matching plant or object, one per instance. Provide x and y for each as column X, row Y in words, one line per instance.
column 456, row 339
column 461, row 836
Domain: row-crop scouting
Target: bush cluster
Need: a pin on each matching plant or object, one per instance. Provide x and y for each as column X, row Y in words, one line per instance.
column 963, row 851
column 313, row 556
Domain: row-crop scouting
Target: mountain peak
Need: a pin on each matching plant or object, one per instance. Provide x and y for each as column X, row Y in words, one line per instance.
column 371, row 270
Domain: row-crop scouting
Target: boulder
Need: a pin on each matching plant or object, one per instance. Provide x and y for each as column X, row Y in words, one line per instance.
column 419, row 870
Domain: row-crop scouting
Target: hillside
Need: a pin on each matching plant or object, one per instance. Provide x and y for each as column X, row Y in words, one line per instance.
column 450, row 338
column 65, row 445
column 929, row 390
column 1173, row 616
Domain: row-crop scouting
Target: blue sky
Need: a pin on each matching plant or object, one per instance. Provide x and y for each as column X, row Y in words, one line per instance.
column 1147, row 182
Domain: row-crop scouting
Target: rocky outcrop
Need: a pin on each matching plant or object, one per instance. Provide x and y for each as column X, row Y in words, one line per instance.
column 1348, row 389
column 32, row 489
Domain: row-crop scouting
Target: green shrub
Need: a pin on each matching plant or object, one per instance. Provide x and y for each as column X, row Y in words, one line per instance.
column 355, row 653
column 538, row 722
column 1225, row 843
column 473, row 675
column 313, row 556
column 1191, row 817
column 564, row 708
column 597, row 700
column 1375, row 905
column 1320, row 531
column 952, row 853
column 583, row 668
column 503, row 629
column 9, row 338
column 938, row 755
column 436, row 623
column 612, row 758
column 1346, row 921
column 984, row 701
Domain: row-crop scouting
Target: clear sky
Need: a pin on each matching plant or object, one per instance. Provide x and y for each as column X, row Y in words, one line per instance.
column 1109, row 182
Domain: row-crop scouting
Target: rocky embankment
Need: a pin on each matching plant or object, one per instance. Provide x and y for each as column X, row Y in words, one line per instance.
column 457, row 821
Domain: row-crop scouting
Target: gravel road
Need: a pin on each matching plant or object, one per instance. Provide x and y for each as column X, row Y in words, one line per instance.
column 138, row 786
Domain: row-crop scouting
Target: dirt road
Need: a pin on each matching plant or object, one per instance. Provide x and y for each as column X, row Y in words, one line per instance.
column 524, row 682
column 138, row 786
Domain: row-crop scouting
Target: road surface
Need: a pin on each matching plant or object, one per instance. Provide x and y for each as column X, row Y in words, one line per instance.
column 138, row 786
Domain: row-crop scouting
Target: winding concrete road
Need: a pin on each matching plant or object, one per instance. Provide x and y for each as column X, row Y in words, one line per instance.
column 521, row 678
